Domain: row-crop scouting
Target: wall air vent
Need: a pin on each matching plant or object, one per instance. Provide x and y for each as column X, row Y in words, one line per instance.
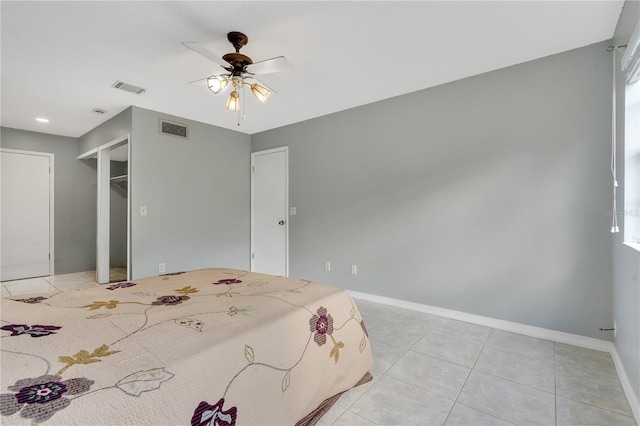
column 128, row 87
column 173, row 129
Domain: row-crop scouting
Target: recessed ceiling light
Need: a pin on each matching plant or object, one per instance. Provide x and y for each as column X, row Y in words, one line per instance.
column 42, row 120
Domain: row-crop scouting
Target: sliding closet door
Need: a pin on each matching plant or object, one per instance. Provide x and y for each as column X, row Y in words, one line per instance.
column 27, row 214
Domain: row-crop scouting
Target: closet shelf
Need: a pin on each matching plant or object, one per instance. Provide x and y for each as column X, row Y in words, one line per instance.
column 122, row 178
column 120, row 183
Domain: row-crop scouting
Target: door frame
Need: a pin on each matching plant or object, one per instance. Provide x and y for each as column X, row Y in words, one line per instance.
column 284, row 149
column 103, row 155
column 50, row 155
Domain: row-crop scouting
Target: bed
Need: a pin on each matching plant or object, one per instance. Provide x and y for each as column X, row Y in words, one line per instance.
column 205, row 347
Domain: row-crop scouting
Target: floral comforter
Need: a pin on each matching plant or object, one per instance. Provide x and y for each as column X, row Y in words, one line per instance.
column 206, row 347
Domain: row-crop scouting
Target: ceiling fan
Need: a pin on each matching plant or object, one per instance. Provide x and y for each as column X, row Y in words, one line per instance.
column 239, row 70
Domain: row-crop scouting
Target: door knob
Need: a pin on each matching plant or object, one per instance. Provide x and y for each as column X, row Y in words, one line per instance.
column 281, row 222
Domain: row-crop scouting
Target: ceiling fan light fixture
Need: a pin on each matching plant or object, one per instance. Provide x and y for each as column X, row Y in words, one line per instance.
column 233, row 103
column 260, row 92
column 216, row 83
column 240, row 70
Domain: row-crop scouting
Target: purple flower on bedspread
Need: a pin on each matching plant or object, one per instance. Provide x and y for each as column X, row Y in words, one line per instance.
column 121, row 285
column 39, row 398
column 32, row 299
column 212, row 415
column 170, row 300
column 321, row 324
column 228, row 281
column 41, row 393
column 33, row 330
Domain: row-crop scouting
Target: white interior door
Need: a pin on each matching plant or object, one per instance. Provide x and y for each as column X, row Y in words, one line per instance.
column 27, row 214
column 269, row 205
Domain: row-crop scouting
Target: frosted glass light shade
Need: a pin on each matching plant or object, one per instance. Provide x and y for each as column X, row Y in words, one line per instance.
column 233, row 103
column 260, row 92
column 216, row 83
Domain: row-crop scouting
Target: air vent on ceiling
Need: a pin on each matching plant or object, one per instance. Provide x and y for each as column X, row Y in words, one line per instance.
column 173, row 129
column 99, row 111
column 128, row 87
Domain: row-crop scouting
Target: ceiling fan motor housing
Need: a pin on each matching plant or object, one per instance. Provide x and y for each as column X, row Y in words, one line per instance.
column 237, row 60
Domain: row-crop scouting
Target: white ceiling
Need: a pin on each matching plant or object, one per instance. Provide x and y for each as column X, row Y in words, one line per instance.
column 59, row 59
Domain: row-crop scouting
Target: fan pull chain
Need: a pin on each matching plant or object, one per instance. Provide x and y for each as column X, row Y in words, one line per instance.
column 244, row 115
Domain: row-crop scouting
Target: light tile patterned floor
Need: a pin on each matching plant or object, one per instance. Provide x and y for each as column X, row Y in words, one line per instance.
column 56, row 283
column 430, row 370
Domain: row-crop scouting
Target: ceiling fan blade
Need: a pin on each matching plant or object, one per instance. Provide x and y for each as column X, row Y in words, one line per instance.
column 203, row 80
column 269, row 66
column 199, row 48
column 200, row 80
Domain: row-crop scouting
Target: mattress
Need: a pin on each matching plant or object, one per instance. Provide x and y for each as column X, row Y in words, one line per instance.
column 204, row 347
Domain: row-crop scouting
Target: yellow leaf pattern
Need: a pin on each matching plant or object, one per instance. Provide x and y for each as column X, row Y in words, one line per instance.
column 111, row 304
column 187, row 290
column 335, row 351
column 84, row 357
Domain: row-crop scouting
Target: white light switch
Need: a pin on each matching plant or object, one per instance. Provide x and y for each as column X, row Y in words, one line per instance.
column 143, row 210
column 292, row 211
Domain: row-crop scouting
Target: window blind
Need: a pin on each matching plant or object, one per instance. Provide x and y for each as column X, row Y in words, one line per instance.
column 631, row 58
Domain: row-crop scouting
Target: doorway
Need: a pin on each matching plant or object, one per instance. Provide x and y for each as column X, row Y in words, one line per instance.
column 113, row 242
column 27, row 214
column 269, row 208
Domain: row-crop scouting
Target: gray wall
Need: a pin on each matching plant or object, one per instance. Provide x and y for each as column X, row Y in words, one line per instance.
column 111, row 129
column 485, row 195
column 75, row 197
column 197, row 192
column 626, row 261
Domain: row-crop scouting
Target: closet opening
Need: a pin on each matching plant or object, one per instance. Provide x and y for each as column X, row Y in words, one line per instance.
column 113, row 241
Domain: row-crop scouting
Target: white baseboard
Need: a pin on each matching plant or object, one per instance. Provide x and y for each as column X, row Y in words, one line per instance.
column 528, row 330
column 632, row 398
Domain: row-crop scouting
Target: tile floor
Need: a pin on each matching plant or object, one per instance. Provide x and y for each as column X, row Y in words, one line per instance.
column 56, row 283
column 430, row 370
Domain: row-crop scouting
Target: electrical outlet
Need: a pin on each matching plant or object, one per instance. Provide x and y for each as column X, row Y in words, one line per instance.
column 162, row 268
column 354, row 269
column 615, row 329
column 327, row 266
